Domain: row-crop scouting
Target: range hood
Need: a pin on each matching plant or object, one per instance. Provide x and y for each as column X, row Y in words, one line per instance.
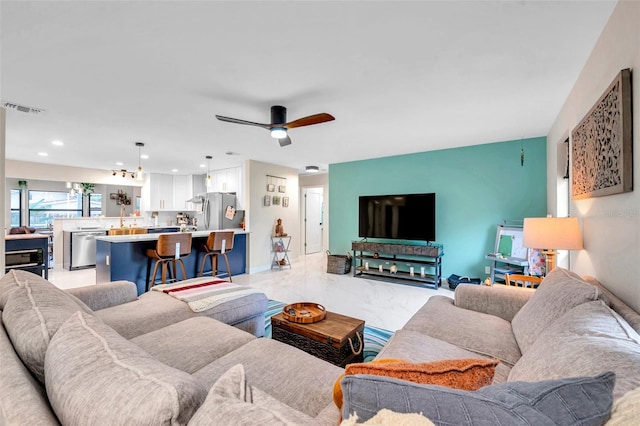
column 198, row 199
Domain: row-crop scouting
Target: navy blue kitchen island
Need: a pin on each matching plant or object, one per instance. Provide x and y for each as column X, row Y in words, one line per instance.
column 124, row 257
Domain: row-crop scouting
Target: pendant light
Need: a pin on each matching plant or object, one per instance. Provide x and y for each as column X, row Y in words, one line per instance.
column 208, row 181
column 139, row 174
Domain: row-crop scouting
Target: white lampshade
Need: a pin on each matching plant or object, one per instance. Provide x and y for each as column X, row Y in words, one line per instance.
column 556, row 233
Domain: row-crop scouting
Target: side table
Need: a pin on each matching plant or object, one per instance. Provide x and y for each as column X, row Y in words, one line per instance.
column 338, row 339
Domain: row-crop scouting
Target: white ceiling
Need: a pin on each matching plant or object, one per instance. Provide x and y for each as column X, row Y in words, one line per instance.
column 399, row 77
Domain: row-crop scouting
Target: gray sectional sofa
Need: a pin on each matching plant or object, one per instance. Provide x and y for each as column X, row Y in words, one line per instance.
column 568, row 327
column 120, row 359
column 74, row 359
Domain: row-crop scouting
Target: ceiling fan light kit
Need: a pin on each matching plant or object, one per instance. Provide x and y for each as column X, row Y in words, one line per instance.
column 278, row 132
column 279, row 125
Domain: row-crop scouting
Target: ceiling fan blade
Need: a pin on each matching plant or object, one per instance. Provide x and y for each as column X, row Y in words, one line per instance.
column 309, row 120
column 238, row 121
column 285, row 141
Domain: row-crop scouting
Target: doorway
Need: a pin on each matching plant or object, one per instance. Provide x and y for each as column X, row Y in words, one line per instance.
column 313, row 218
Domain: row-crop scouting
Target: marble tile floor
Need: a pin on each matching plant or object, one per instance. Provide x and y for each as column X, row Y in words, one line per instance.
column 381, row 304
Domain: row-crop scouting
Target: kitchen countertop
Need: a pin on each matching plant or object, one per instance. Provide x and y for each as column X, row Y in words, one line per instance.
column 24, row 236
column 153, row 237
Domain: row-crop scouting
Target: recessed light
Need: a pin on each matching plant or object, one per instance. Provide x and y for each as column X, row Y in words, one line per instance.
column 119, row 163
column 43, row 154
column 202, row 166
column 144, row 156
column 57, row 143
column 174, row 170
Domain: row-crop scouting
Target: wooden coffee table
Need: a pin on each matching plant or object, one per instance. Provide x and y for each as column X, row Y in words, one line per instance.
column 338, row 339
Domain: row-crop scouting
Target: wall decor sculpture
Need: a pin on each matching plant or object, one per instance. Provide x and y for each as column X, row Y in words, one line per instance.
column 601, row 144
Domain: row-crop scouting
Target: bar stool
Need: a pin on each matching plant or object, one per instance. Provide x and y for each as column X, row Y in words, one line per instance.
column 219, row 243
column 165, row 255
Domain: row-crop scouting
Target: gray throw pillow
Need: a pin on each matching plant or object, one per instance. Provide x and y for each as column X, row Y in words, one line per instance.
column 34, row 310
column 581, row 401
column 232, row 401
column 560, row 291
column 96, row 376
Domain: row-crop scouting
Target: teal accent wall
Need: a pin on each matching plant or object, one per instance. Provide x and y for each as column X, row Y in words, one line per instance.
column 477, row 188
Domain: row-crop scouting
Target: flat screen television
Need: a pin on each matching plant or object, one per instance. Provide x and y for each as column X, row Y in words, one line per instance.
column 398, row 217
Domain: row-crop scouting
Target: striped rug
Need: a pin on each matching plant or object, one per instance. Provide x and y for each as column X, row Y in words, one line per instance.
column 374, row 338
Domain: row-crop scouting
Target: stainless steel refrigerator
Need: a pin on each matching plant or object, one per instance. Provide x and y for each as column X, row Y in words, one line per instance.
column 216, row 211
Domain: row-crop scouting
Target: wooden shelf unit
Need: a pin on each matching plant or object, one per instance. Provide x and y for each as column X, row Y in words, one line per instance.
column 405, row 257
column 280, row 250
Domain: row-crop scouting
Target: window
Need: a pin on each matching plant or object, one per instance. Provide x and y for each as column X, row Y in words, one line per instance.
column 16, row 211
column 44, row 206
column 95, row 205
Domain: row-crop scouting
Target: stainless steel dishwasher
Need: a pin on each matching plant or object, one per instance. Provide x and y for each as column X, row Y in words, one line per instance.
column 80, row 248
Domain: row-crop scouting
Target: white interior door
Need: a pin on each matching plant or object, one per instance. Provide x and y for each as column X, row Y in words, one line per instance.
column 313, row 220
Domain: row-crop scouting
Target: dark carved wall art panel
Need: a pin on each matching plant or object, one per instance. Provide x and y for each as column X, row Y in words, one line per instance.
column 601, row 144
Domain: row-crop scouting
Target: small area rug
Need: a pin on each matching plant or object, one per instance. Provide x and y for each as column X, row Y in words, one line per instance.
column 374, row 338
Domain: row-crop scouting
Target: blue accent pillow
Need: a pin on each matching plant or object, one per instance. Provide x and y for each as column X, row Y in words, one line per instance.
column 583, row 401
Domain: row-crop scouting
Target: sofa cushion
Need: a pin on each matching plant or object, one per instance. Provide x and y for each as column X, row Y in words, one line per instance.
column 589, row 339
column 155, row 310
column 415, row 347
column 584, row 401
column 33, row 312
column 95, row 376
column 478, row 332
column 191, row 344
column 268, row 365
column 560, row 291
column 232, row 400
column 621, row 308
column 104, row 295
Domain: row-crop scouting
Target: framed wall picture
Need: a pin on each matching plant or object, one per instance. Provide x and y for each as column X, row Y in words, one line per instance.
column 267, row 200
column 276, row 200
column 282, row 188
column 285, row 201
column 601, row 144
column 271, row 187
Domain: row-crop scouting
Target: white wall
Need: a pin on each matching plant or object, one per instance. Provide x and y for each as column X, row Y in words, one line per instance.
column 261, row 220
column 3, row 202
column 27, row 170
column 611, row 224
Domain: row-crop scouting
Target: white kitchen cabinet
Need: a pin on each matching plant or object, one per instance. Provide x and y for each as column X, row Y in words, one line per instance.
column 167, row 192
column 182, row 191
column 226, row 180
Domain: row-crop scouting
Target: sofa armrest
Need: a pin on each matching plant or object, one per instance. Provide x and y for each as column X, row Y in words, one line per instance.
column 101, row 296
column 500, row 301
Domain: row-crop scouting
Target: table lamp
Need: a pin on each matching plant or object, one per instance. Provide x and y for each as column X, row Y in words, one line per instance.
column 551, row 234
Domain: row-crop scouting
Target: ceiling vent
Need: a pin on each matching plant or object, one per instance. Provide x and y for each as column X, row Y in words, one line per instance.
column 22, row 108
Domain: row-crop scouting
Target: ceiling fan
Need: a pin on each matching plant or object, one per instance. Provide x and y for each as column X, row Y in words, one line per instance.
column 279, row 125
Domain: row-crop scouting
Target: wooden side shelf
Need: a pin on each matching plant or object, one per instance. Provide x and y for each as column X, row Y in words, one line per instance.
column 426, row 262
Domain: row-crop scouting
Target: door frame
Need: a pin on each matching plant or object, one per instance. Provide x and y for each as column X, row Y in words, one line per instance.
column 325, row 223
